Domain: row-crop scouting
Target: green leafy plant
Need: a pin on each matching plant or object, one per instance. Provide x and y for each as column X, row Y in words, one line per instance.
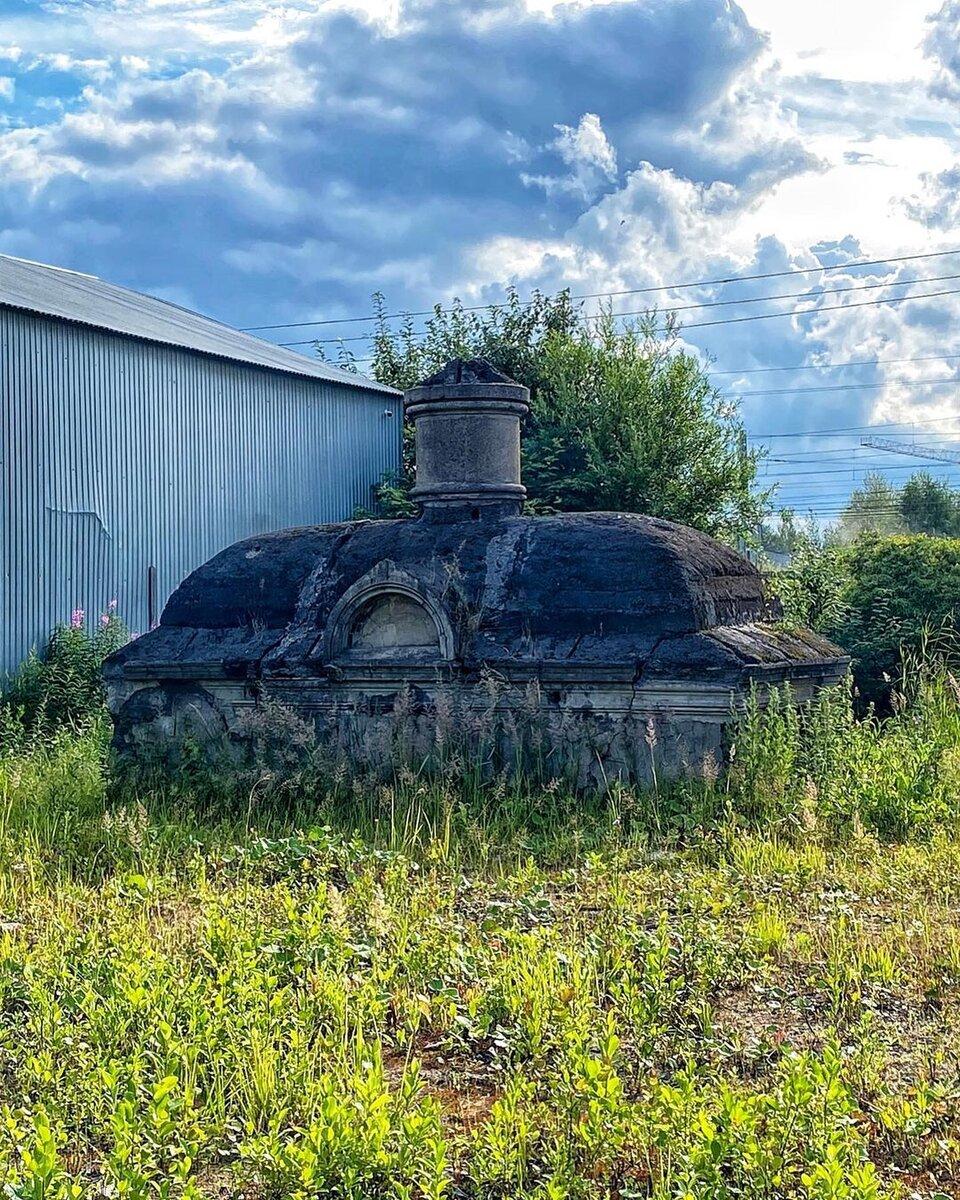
column 903, row 594
column 64, row 684
column 621, row 420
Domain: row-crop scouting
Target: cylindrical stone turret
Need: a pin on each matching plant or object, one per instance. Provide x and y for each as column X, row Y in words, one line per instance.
column 467, row 426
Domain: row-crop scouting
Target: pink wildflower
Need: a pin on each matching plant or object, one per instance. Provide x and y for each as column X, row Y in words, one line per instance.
column 112, row 606
column 104, row 619
column 76, row 618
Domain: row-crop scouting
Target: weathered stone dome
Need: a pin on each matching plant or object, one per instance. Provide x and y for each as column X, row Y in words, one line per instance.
column 608, row 590
column 615, row 617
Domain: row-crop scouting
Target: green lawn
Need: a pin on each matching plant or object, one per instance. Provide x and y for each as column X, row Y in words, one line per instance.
column 746, row 988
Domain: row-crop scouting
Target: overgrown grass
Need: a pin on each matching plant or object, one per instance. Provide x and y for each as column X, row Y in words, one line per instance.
column 312, row 985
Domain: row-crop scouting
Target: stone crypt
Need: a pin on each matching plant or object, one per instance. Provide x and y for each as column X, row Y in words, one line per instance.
column 625, row 638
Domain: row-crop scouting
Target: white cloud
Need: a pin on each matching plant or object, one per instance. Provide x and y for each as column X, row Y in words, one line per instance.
column 134, row 64
column 98, row 69
column 852, row 40
column 8, row 88
column 585, row 150
column 267, row 161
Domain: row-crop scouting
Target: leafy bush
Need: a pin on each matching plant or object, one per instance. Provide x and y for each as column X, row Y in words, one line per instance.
column 200, row 1008
column 64, row 684
column 818, row 769
column 902, row 593
column 813, row 589
column 923, row 505
column 621, row 420
column 879, row 599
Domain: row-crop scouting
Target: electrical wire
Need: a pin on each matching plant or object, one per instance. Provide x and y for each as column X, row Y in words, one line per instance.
column 728, row 320
column 808, row 295
column 863, row 362
column 366, row 337
column 850, row 387
column 854, row 428
column 848, row 471
column 840, row 366
column 855, row 287
column 663, row 287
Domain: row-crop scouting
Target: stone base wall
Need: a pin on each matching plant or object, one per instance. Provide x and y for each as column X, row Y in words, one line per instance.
column 589, row 733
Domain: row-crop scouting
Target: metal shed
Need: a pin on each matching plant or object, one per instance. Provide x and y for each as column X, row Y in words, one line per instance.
column 138, row 438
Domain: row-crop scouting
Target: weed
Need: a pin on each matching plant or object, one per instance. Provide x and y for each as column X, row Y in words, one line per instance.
column 448, row 985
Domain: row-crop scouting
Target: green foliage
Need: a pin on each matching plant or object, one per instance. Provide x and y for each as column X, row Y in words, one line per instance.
column 620, row 419
column 874, row 507
column 819, row 767
column 64, row 684
column 903, row 592
column 930, row 506
column 418, row 993
column 788, row 534
column 813, row 589
column 922, row 505
column 326, row 988
column 878, row 599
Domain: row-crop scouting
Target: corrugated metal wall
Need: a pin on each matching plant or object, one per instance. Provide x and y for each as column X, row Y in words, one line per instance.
column 117, row 456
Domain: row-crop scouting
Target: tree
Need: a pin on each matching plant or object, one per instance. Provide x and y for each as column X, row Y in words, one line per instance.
column 812, row 589
column 621, row 419
column 903, row 594
column 874, row 507
column 930, row 506
column 789, row 535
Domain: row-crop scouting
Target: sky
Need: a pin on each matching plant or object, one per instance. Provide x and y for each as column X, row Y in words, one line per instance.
column 268, row 162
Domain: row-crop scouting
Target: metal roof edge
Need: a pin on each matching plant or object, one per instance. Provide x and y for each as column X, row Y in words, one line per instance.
column 337, row 375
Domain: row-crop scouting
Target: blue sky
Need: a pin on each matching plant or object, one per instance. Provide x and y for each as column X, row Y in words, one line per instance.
column 267, row 162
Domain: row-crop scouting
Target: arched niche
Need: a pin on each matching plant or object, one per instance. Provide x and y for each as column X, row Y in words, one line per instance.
column 389, row 617
column 392, row 621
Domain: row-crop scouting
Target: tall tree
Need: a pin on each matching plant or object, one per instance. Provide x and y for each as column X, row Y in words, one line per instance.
column 930, row 506
column 874, row 507
column 621, row 418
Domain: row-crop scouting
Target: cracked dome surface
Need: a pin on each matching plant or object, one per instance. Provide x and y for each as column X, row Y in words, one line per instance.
column 630, row 592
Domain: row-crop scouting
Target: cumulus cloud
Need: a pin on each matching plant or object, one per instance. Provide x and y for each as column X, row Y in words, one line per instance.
column 298, row 161
column 936, row 203
column 942, row 46
column 270, row 163
column 592, row 161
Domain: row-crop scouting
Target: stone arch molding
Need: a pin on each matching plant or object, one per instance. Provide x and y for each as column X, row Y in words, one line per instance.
column 389, row 582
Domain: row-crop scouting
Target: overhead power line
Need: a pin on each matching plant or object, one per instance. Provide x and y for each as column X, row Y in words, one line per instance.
column 724, row 321
column 836, row 511
column 862, row 362
column 649, row 290
column 853, row 287
column 823, row 308
column 851, row 387
column 854, row 428
column 838, row 366
column 855, row 450
column 839, row 471
column 809, row 295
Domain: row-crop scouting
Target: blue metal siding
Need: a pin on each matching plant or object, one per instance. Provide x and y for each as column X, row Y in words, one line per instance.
column 117, row 455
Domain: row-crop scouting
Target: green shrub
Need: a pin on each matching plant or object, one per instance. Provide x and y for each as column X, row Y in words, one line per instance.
column 903, row 593
column 879, row 599
column 621, row 419
column 64, row 684
column 816, row 769
column 813, row 589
